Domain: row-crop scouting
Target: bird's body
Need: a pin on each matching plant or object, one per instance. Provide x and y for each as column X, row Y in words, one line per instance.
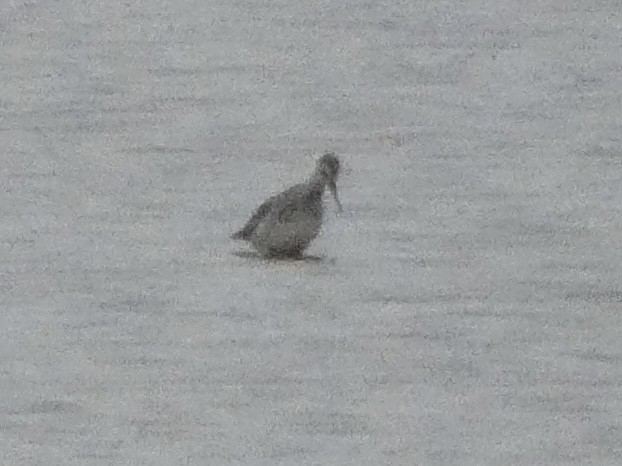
column 285, row 224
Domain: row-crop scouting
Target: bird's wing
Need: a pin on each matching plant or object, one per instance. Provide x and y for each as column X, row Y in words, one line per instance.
column 288, row 202
column 262, row 212
column 277, row 205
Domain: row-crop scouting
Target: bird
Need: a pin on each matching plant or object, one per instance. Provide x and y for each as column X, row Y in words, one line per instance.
column 284, row 225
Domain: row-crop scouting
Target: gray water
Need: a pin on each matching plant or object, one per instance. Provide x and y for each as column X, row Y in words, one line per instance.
column 467, row 307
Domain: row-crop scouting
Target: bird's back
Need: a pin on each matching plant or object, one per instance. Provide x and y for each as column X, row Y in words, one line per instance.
column 281, row 207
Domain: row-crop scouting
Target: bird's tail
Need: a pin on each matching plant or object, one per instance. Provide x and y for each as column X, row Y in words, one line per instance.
column 238, row 235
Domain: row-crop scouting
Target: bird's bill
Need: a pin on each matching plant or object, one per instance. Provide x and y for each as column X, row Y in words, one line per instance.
column 332, row 186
